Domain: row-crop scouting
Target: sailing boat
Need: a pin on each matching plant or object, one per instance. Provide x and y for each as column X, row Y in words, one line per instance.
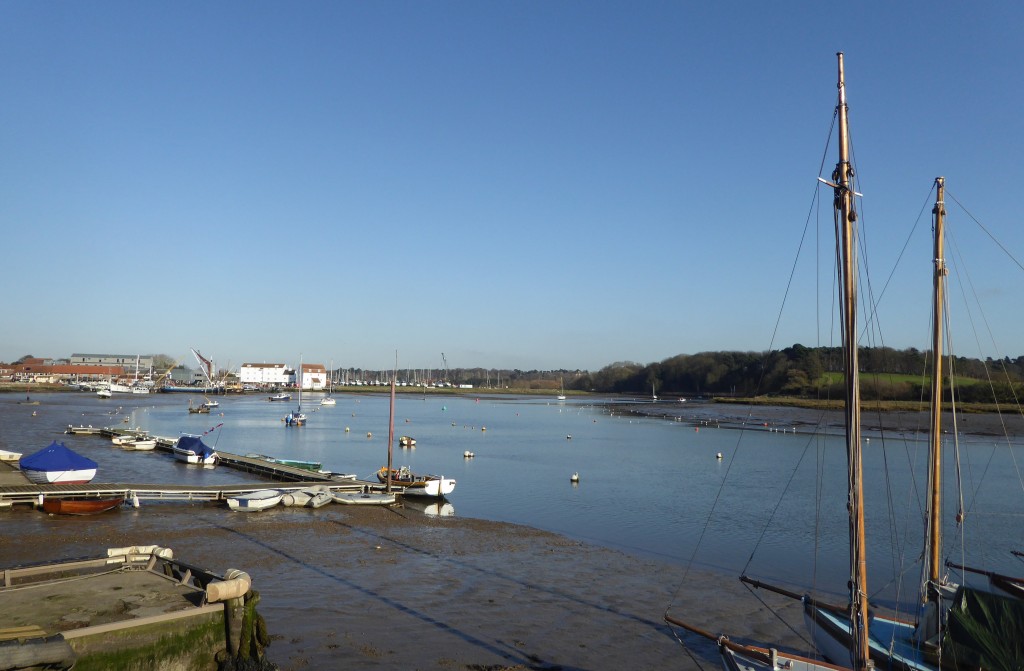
column 329, row 400
column 561, row 390
column 435, row 486
column 297, row 418
column 367, row 497
column 853, row 618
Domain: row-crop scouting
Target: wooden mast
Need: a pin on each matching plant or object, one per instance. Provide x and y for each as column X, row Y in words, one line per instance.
column 391, row 423
column 935, row 449
column 844, row 193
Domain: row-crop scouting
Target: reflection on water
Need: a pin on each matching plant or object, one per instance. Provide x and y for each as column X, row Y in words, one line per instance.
column 645, row 485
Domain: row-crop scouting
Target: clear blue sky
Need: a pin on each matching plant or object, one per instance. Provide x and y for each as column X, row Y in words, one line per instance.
column 515, row 184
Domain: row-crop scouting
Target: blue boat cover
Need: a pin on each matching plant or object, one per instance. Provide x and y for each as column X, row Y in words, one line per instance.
column 196, row 444
column 56, row 457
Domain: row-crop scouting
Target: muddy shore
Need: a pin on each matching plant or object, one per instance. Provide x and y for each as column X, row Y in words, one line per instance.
column 374, row 588
column 902, row 422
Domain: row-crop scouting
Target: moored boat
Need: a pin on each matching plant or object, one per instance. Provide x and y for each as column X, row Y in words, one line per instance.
column 314, row 466
column 192, row 450
column 407, row 441
column 418, row 485
column 57, row 464
column 80, row 505
column 281, row 396
column 255, row 501
column 140, row 445
column 310, row 497
column 365, row 498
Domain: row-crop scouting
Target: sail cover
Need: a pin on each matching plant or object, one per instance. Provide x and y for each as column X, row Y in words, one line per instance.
column 56, row 457
column 984, row 631
column 196, row 444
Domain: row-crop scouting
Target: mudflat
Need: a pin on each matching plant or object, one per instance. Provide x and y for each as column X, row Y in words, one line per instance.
column 375, row 588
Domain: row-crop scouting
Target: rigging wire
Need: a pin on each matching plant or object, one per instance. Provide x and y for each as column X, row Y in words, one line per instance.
column 872, row 334
column 725, row 478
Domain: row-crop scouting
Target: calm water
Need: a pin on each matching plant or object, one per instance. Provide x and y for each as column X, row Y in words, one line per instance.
column 646, row 486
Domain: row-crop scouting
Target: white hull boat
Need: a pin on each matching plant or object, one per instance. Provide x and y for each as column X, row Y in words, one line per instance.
column 192, row 450
column 72, row 477
column 255, row 501
column 140, row 445
column 311, row 497
column 364, row 498
column 435, row 486
column 57, row 464
column 190, row 457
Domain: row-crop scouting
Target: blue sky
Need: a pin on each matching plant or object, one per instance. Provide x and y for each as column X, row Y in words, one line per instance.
column 528, row 185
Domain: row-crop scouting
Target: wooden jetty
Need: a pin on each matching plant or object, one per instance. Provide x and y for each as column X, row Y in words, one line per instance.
column 16, row 488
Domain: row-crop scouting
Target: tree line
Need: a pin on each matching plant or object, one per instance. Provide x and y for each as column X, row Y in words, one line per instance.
column 808, row 372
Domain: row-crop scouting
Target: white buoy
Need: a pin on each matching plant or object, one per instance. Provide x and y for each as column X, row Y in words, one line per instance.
column 718, row 456
column 468, row 455
column 575, row 477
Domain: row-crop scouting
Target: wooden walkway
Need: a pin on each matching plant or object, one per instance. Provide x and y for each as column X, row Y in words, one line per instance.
column 16, row 488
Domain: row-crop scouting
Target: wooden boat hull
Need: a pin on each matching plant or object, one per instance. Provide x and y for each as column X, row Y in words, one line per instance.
column 80, row 505
column 891, row 641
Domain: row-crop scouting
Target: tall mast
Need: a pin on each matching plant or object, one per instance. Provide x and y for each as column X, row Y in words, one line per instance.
column 935, row 450
column 391, row 422
column 843, row 177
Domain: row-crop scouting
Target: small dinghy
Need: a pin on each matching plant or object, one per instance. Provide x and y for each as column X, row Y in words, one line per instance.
column 255, row 501
column 365, row 498
column 311, row 497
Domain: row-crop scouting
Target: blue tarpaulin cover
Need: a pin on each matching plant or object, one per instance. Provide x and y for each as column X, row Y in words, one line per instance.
column 56, row 457
column 196, row 444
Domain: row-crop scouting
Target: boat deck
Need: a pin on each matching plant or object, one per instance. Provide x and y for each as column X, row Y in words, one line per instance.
column 132, row 599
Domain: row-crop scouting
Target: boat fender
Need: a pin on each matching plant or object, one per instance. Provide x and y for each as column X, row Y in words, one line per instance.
column 235, row 585
column 288, row 500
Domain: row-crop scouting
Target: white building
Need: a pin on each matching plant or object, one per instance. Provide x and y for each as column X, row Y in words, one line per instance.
column 265, row 374
column 314, row 376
